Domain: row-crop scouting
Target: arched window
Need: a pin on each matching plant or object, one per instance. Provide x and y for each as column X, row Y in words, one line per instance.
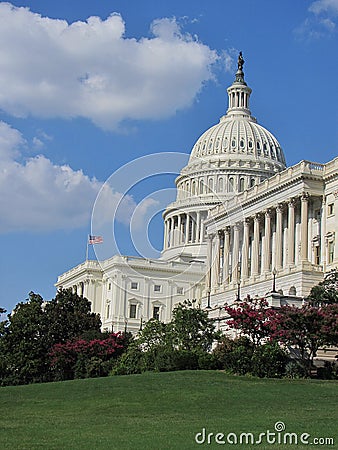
column 193, row 191
column 211, row 185
column 231, row 184
column 201, row 187
column 241, row 185
column 252, row 182
column 220, row 185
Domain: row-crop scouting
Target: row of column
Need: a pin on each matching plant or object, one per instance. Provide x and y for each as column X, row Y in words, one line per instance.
column 182, row 229
column 245, row 249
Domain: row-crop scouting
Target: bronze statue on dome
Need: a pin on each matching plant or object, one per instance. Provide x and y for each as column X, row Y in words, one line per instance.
column 240, row 61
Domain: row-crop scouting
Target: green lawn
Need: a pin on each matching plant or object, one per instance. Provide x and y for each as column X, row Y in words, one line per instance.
column 163, row 411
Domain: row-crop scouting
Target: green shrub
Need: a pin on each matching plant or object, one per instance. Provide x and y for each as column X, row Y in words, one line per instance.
column 208, row 361
column 129, row 362
column 234, row 355
column 296, row 369
column 268, row 360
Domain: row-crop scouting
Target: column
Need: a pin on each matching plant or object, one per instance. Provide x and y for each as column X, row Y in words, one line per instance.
column 267, row 241
column 278, row 249
column 255, row 248
column 202, row 229
column 291, row 232
column 304, row 200
column 187, row 227
column 209, row 262
column 216, row 261
column 226, row 255
column 165, row 238
column 198, row 226
column 235, row 253
column 245, row 249
column 170, row 234
column 192, row 229
column 179, row 226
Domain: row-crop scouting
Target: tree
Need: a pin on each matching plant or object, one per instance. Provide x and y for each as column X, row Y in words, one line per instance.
column 192, row 329
column 69, row 316
column 326, row 292
column 23, row 346
column 252, row 318
column 307, row 328
column 155, row 334
column 30, row 332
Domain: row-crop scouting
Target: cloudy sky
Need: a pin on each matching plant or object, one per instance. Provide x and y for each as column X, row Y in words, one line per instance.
column 87, row 87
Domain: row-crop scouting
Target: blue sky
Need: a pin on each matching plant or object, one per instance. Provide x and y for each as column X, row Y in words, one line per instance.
column 87, row 87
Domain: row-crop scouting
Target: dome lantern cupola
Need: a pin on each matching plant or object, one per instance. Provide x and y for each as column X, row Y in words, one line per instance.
column 239, row 92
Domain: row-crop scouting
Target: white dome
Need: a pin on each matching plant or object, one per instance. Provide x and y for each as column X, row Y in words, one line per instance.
column 239, row 137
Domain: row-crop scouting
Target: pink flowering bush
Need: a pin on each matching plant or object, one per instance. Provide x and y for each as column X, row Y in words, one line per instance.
column 80, row 358
column 304, row 329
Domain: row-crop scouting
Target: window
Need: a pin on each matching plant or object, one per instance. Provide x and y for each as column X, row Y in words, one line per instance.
column 180, row 290
column 134, row 285
column 241, row 185
column 201, row 187
column 211, row 185
column 108, row 311
column 194, row 188
column 331, row 252
column 156, row 312
column 252, row 182
column 109, row 286
column 317, row 255
column 231, row 184
column 157, row 288
column 132, row 311
column 330, row 209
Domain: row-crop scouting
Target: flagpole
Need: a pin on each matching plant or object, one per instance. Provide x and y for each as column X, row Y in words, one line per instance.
column 87, row 248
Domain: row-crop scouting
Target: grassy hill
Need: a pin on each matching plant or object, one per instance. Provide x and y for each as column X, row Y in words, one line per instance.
column 164, row 411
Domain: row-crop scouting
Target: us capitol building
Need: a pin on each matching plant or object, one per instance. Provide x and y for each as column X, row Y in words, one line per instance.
column 243, row 223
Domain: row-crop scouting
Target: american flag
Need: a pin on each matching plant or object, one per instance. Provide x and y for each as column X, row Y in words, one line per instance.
column 95, row 239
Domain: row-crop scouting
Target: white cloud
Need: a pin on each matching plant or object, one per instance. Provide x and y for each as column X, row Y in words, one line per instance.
column 321, row 21
column 38, row 195
column 51, row 68
column 319, row 6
